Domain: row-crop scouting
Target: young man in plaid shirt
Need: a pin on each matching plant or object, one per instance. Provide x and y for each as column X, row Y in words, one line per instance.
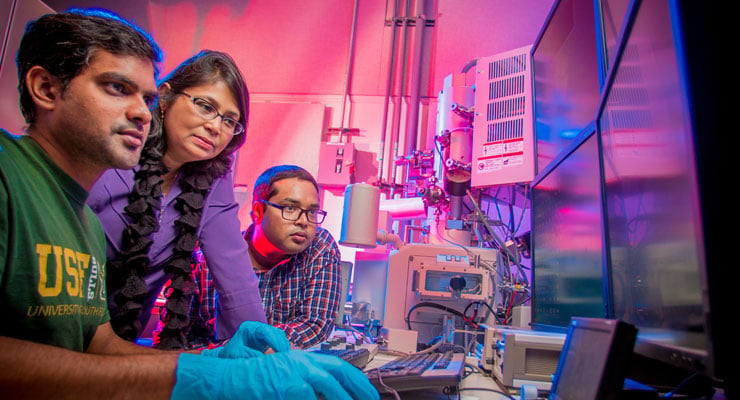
column 296, row 261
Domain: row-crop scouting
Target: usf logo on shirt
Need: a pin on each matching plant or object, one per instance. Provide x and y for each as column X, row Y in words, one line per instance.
column 68, row 274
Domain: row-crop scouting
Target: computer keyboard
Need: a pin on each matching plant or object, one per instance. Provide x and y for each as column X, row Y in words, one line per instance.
column 419, row 371
column 359, row 357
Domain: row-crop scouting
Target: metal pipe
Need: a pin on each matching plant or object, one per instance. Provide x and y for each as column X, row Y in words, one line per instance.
column 396, row 128
column 415, row 84
column 350, row 62
column 389, row 86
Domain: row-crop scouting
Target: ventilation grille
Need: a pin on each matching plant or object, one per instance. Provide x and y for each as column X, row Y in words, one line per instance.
column 628, row 74
column 541, row 362
column 505, row 130
column 508, row 93
column 507, row 66
column 628, row 96
column 628, row 105
column 502, row 135
column 505, row 109
column 630, row 120
column 506, row 87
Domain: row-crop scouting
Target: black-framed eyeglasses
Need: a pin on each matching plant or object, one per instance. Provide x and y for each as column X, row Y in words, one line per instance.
column 293, row 213
column 209, row 111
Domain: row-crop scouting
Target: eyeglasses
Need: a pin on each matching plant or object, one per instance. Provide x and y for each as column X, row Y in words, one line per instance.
column 293, row 213
column 209, row 112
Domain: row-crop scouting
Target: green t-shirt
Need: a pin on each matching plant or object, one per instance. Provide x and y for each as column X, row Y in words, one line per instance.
column 52, row 251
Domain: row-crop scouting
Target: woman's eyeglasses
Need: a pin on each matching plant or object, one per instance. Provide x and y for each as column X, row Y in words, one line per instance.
column 209, row 112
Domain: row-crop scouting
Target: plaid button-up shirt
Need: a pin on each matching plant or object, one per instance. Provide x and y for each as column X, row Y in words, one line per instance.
column 300, row 294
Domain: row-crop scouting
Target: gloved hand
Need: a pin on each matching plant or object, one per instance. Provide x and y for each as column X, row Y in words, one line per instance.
column 251, row 340
column 294, row 374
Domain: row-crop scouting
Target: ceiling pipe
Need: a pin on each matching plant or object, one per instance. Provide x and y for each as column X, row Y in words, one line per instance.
column 388, row 89
column 412, row 130
column 348, row 72
column 396, row 127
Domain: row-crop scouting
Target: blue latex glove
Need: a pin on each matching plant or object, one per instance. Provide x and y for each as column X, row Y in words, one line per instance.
column 252, row 339
column 294, row 374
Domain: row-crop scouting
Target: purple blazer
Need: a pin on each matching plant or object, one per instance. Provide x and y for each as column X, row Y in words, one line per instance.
column 220, row 239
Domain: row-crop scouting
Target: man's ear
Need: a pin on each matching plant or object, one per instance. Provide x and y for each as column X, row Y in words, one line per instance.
column 43, row 87
column 258, row 211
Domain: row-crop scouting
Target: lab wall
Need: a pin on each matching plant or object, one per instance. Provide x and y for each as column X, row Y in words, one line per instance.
column 363, row 71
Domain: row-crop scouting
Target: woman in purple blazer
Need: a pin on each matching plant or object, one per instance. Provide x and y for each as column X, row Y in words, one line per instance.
column 179, row 196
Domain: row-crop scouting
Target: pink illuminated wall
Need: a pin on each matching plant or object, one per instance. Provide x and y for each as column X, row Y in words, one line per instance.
column 282, row 46
column 295, row 55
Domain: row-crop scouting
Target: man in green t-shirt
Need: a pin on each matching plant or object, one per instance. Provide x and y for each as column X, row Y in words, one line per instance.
column 87, row 86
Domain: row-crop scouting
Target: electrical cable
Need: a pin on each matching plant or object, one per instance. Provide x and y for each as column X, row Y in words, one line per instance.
column 475, row 312
column 472, row 255
column 509, row 308
column 521, row 216
column 460, row 128
column 380, row 380
column 685, row 382
column 512, row 231
column 498, row 209
column 478, row 302
column 500, row 243
column 465, row 372
column 431, row 348
column 470, row 64
column 465, row 312
column 508, row 396
column 441, row 155
column 431, row 305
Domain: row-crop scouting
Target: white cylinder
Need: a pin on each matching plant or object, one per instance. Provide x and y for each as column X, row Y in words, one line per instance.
column 360, row 217
column 406, row 208
column 456, row 93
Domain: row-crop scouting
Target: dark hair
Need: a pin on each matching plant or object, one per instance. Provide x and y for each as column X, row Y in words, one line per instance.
column 263, row 189
column 64, row 44
column 206, row 67
column 125, row 284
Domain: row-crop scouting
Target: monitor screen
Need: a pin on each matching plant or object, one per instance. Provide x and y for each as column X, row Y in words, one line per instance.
column 611, row 22
column 566, row 77
column 654, row 218
column 592, row 364
column 567, row 240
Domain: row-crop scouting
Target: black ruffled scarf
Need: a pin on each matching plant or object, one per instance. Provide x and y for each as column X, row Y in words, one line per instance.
column 126, row 285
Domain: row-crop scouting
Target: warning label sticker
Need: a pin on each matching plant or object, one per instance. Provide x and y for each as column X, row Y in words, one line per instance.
column 501, row 154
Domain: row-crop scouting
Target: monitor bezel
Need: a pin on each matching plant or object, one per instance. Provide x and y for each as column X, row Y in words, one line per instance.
column 690, row 359
column 587, row 133
column 536, row 45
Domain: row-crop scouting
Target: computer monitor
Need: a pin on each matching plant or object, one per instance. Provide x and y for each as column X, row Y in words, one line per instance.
column 659, row 121
column 610, row 21
column 344, row 295
column 594, row 361
column 566, row 77
column 567, row 245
